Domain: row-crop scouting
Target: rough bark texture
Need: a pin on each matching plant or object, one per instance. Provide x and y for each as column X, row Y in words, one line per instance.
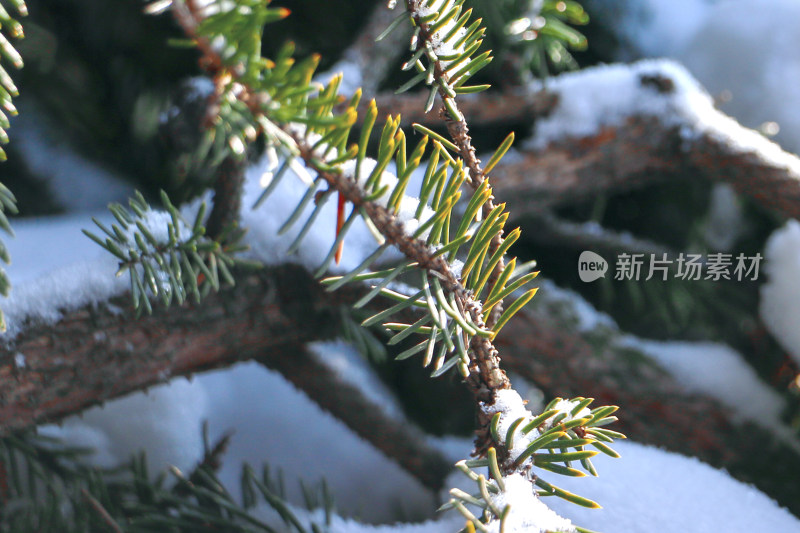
column 227, row 196
column 642, row 151
column 96, row 354
column 480, row 110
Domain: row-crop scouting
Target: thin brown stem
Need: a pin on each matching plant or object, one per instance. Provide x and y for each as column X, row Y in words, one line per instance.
column 459, row 132
column 227, row 196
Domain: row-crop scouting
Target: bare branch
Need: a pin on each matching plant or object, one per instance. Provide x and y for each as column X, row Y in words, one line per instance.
column 550, row 230
column 95, row 354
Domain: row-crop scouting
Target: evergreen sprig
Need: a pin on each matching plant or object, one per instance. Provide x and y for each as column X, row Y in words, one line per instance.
column 445, row 51
column 165, row 256
column 543, row 31
column 9, row 27
column 553, row 441
column 48, row 486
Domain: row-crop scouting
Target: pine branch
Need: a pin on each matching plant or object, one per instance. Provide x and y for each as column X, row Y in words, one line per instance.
column 50, row 488
column 487, row 362
column 94, row 354
column 301, row 124
column 428, row 38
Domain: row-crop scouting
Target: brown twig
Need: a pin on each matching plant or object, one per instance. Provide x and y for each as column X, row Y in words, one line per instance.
column 95, row 354
column 486, row 376
column 227, row 196
column 399, row 440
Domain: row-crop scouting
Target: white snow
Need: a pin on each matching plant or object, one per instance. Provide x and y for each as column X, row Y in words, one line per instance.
column 743, row 50
column 54, row 268
column 528, row 512
column 716, row 370
column 748, row 49
column 706, row 368
column 264, row 222
column 606, row 96
column 649, row 490
column 780, row 296
column 165, row 421
column 351, row 367
column 271, row 422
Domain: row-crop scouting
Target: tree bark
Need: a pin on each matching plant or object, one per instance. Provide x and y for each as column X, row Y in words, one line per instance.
column 96, row 354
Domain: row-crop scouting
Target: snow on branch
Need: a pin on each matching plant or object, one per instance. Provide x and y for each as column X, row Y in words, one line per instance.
column 619, row 127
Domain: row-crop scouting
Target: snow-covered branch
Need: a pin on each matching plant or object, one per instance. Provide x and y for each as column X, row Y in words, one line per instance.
column 96, row 353
column 620, row 127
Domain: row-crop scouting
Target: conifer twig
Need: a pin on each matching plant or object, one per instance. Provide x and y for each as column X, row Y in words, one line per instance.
column 459, row 132
column 486, row 374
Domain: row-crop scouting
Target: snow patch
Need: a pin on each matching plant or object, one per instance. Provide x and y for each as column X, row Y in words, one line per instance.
column 270, row 421
column 350, row 366
column 650, row 490
column 528, row 512
column 780, row 296
column 606, row 96
column 715, row 370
